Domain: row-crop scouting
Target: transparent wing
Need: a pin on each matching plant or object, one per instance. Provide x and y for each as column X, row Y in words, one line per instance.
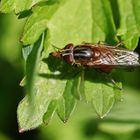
column 125, row 57
column 118, row 58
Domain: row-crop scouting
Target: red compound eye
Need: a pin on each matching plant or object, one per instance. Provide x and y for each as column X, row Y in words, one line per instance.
column 68, row 53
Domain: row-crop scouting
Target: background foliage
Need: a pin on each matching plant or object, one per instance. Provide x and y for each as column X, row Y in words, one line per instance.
column 62, row 22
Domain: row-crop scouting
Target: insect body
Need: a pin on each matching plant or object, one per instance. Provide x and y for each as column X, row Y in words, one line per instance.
column 99, row 56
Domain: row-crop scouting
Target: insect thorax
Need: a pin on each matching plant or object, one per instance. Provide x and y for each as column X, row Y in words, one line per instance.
column 82, row 53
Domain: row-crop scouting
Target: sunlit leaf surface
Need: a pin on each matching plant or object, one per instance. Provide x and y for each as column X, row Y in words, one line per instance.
column 50, row 79
column 7, row 6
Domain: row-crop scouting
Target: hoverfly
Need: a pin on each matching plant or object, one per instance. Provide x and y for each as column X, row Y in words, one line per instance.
column 99, row 56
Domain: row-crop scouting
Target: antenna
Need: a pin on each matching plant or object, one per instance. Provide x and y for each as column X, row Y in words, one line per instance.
column 55, row 47
column 60, row 49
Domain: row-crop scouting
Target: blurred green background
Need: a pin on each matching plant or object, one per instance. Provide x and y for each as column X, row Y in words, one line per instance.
column 122, row 123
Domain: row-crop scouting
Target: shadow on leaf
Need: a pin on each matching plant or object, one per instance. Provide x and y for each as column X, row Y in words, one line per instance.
column 61, row 70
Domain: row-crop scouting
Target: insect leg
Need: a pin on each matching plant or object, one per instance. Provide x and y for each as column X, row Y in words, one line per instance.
column 113, row 82
column 119, row 44
column 101, row 43
column 55, row 47
column 86, row 43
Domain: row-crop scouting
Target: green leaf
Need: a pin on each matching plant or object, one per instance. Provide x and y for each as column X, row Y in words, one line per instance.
column 103, row 100
column 56, row 72
column 50, row 112
column 74, row 21
column 78, row 86
column 67, row 103
column 128, row 110
column 103, row 26
column 30, row 113
column 7, row 6
column 32, row 64
column 26, row 51
column 38, row 22
column 129, row 29
column 101, row 94
column 48, row 86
